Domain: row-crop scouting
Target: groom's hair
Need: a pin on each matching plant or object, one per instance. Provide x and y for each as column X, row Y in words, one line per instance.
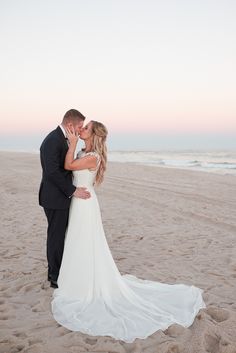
column 73, row 115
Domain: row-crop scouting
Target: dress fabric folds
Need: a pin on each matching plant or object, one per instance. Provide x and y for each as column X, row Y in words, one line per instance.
column 94, row 298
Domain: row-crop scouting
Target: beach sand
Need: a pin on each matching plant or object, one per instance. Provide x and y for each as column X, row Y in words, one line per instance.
column 166, row 225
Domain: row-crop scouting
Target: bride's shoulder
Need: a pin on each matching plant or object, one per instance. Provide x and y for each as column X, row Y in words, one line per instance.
column 92, row 153
column 82, row 153
column 95, row 154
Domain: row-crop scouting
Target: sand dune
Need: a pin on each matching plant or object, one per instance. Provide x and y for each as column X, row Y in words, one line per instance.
column 168, row 225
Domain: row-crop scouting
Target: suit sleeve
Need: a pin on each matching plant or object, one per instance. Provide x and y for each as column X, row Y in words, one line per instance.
column 53, row 170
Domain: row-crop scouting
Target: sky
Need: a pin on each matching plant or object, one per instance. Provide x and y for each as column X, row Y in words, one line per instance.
column 156, row 73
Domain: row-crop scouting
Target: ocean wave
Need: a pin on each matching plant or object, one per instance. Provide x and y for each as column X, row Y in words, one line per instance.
column 219, row 162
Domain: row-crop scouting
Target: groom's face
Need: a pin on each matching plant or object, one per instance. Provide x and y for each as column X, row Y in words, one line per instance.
column 76, row 125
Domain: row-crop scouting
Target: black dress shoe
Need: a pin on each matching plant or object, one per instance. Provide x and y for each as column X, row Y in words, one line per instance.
column 53, row 284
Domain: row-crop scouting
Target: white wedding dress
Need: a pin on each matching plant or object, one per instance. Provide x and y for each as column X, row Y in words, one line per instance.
column 94, row 298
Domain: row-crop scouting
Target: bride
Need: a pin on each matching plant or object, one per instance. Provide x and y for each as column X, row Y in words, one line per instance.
column 92, row 296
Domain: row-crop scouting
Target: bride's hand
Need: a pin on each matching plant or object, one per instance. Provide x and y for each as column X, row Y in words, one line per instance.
column 72, row 135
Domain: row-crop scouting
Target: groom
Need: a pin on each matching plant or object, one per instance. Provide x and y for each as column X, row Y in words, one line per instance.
column 56, row 189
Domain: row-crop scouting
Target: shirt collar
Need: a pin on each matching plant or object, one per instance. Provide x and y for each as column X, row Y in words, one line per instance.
column 63, row 130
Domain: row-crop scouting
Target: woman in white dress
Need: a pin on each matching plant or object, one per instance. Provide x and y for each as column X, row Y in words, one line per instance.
column 92, row 296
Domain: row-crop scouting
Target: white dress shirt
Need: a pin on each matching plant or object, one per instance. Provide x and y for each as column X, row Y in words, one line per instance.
column 63, row 130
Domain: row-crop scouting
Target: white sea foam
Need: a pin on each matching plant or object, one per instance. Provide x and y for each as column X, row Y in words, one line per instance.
column 223, row 162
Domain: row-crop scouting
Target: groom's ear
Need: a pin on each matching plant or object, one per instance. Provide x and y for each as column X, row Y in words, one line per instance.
column 69, row 125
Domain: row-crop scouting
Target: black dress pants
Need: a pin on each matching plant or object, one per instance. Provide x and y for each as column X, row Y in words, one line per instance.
column 57, row 224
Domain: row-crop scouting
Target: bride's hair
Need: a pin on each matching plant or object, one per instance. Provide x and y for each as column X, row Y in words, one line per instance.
column 99, row 145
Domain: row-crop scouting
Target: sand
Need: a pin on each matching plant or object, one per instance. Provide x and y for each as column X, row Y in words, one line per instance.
column 163, row 224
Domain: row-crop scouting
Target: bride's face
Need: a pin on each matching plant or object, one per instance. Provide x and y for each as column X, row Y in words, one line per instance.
column 86, row 132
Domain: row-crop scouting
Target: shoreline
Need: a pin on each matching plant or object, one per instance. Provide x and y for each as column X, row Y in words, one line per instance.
column 36, row 153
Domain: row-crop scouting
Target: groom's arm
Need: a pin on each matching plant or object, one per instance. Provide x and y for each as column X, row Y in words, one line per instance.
column 52, row 169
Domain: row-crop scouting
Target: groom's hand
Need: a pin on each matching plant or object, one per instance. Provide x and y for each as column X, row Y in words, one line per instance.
column 82, row 193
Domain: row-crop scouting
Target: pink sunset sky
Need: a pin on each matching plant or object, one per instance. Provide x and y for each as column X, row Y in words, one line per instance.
column 137, row 66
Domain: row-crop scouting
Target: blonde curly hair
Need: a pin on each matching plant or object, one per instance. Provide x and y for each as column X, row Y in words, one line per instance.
column 99, row 145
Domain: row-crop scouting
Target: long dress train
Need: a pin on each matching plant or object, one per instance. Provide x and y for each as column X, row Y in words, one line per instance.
column 94, row 298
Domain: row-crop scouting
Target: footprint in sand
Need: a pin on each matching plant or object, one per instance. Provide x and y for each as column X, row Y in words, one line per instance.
column 90, row 341
column 3, row 309
column 20, row 347
column 218, row 314
column 34, row 341
column 4, row 317
column 39, row 306
column 3, row 288
column 174, row 348
column 20, row 334
column 25, row 287
column 212, row 344
column 175, row 330
column 62, row 331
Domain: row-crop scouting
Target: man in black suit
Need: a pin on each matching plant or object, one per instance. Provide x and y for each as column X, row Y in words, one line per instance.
column 57, row 189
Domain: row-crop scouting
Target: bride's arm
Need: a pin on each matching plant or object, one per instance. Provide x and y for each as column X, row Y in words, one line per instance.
column 87, row 162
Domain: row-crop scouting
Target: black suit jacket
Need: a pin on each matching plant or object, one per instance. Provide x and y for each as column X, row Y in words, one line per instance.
column 56, row 186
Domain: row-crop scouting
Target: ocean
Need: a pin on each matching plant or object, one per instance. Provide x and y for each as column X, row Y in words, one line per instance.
column 220, row 162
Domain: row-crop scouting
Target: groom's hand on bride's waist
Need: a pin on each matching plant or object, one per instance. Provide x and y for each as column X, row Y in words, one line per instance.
column 82, row 193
